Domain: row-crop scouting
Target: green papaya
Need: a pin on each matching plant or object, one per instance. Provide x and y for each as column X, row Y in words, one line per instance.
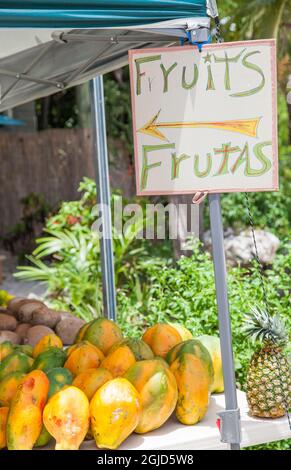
column 24, row 348
column 15, row 362
column 58, row 378
column 8, row 387
column 192, row 346
column 49, row 359
column 44, row 438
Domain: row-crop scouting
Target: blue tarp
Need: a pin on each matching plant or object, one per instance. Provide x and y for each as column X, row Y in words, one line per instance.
column 95, row 13
column 8, row 121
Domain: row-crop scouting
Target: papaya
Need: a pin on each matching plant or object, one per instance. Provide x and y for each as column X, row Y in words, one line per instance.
column 24, row 348
column 158, row 392
column 82, row 331
column 91, row 379
column 58, row 378
column 103, row 333
column 8, row 387
column 161, row 338
column 46, row 342
column 193, row 388
column 24, row 422
column 75, row 346
column 66, row 417
column 84, row 356
column 49, row 359
column 119, row 361
column 16, row 361
column 124, row 354
column 192, row 346
column 115, row 411
column 44, row 438
column 139, row 348
column 212, row 344
column 6, row 349
column 182, row 330
column 3, row 424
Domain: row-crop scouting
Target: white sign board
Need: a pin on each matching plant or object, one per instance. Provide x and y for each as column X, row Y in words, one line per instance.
column 205, row 121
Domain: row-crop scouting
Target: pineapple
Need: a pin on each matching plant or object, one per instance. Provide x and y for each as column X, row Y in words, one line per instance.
column 269, row 378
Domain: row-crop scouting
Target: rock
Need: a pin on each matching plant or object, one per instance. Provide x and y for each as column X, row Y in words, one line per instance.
column 35, row 333
column 9, row 336
column 26, row 309
column 7, row 322
column 45, row 316
column 68, row 328
column 14, row 304
column 240, row 249
column 21, row 330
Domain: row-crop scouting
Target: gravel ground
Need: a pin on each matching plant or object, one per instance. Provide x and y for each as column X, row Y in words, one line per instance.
column 14, row 286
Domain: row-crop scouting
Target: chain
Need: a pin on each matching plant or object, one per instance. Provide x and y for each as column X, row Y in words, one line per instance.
column 256, row 254
column 265, row 297
column 218, row 36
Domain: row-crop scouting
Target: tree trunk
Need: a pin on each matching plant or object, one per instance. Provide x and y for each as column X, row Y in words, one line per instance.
column 84, row 107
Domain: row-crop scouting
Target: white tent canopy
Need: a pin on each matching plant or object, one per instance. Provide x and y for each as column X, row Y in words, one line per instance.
column 40, row 62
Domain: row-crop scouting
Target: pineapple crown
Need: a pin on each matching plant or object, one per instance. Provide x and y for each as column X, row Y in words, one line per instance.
column 261, row 326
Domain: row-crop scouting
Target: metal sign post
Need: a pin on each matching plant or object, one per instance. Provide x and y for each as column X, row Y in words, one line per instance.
column 229, row 418
column 103, row 195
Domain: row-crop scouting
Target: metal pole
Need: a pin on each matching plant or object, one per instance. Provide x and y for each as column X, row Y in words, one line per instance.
column 230, row 418
column 103, row 195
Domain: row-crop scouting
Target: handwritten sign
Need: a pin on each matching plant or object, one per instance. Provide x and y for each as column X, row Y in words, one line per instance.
column 205, row 121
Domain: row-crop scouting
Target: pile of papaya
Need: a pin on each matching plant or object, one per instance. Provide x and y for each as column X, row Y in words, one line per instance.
column 104, row 386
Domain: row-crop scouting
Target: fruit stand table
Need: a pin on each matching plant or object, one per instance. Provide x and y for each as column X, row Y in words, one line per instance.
column 205, row 435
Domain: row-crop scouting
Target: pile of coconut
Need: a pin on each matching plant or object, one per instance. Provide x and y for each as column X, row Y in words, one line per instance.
column 26, row 321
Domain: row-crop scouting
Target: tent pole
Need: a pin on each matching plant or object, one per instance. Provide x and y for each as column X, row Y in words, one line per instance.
column 103, row 195
column 229, row 418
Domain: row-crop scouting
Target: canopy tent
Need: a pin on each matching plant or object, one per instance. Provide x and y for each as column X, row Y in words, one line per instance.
column 71, row 41
column 95, row 13
column 51, row 56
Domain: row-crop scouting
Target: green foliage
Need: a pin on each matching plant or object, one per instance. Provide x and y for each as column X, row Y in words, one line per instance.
column 73, row 276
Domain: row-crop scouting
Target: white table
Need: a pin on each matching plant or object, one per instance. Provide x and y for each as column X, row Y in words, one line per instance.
column 205, row 435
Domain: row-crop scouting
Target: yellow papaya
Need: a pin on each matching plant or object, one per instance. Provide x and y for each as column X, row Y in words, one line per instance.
column 8, row 387
column 193, row 388
column 91, row 379
column 84, row 356
column 182, row 330
column 6, row 348
column 119, row 360
column 45, row 342
column 103, row 333
column 124, row 354
column 161, row 338
column 3, row 424
column 158, row 392
column 24, row 422
column 115, row 411
column 66, row 417
column 212, row 344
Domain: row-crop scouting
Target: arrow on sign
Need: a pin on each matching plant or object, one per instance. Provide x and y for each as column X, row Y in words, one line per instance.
column 243, row 126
